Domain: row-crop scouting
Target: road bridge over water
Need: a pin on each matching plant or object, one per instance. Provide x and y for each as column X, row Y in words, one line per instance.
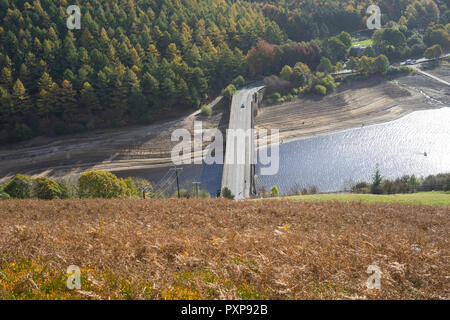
column 238, row 171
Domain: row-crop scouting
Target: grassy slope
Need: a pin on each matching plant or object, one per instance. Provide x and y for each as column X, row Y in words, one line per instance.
column 218, row 249
column 427, row 198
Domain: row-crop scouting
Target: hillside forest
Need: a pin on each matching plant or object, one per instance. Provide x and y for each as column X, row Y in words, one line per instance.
column 138, row 61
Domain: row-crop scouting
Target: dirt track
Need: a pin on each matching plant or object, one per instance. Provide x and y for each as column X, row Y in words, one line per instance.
column 352, row 105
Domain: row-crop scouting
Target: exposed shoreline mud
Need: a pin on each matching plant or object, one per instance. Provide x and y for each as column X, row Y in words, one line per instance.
column 352, row 105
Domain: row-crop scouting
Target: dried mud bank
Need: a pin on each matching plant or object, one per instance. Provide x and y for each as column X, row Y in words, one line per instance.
column 355, row 104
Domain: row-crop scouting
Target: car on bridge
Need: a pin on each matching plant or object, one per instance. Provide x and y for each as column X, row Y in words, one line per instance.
column 243, row 106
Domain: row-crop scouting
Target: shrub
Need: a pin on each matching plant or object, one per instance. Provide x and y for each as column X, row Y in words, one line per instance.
column 436, row 182
column 369, row 52
column 143, row 185
column 46, row 188
column 414, row 183
column 388, row 187
column 304, row 90
column 393, row 71
column 274, row 191
column 64, row 191
column 418, row 50
column 202, row 193
column 206, row 111
column 362, row 187
column 275, row 96
column 325, row 65
column 295, row 190
column 21, row 186
column 381, row 64
column 3, row 194
column 286, row 73
column 238, row 82
column 446, row 185
column 263, row 192
column 328, row 82
column 433, row 52
column 227, row 194
column 191, row 193
column 69, row 187
column 312, row 190
column 319, row 89
column 228, row 92
column 131, row 190
column 102, row 184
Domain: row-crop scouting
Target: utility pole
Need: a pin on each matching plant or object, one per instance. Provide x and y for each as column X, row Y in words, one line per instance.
column 178, row 183
column 144, row 190
column 196, row 188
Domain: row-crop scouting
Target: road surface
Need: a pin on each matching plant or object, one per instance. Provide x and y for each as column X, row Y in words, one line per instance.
column 240, row 148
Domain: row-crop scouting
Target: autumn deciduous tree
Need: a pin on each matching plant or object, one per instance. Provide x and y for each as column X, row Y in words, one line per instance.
column 46, row 188
column 336, row 49
column 102, row 184
column 301, row 74
column 381, row 64
column 434, row 52
column 286, row 73
column 325, row 65
column 21, row 186
column 274, row 191
column 440, row 37
column 260, row 59
column 228, row 92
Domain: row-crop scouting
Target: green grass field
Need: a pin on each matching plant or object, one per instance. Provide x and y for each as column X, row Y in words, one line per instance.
column 428, row 198
column 363, row 43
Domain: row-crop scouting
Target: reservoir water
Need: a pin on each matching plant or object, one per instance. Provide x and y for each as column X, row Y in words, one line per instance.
column 335, row 161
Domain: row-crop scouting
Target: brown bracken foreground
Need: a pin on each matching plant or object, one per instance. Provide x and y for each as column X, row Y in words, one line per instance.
column 220, row 249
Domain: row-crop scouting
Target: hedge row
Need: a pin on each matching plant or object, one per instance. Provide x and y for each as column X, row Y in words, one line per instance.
column 91, row 184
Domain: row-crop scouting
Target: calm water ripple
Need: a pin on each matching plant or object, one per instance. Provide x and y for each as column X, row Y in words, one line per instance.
column 335, row 161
